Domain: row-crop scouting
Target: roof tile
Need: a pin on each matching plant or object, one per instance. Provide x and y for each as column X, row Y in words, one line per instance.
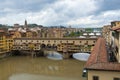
column 98, row 59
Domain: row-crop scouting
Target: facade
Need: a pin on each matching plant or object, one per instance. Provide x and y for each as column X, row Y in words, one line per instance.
column 53, row 32
column 115, row 43
column 17, row 34
column 2, row 44
column 103, row 75
column 6, row 42
column 71, row 47
column 68, row 47
column 9, row 43
column 77, row 43
column 106, row 33
column 99, row 66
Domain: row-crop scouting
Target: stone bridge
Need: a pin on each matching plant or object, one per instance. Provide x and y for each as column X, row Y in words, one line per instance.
column 65, row 45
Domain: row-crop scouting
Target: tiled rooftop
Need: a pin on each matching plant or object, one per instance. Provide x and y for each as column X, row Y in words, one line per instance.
column 98, row 59
column 1, row 31
column 105, row 66
column 116, row 28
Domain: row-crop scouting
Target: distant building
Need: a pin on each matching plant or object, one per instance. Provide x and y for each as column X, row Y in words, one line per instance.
column 106, row 33
column 16, row 25
column 24, row 31
column 91, row 34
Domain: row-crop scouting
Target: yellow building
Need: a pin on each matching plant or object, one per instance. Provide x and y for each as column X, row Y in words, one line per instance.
column 17, row 34
column 2, row 44
column 29, row 34
column 6, row 42
column 74, row 44
column 71, row 47
column 9, row 43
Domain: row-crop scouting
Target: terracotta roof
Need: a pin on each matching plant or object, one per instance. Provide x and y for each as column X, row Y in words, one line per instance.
column 115, row 21
column 98, row 59
column 1, row 31
column 116, row 28
column 105, row 66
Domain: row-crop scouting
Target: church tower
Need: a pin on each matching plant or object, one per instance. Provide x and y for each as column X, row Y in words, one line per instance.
column 25, row 25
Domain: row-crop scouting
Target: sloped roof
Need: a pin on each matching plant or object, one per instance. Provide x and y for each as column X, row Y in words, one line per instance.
column 98, row 59
column 116, row 28
column 105, row 66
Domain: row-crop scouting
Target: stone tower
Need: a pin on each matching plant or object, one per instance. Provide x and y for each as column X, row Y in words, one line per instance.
column 25, row 25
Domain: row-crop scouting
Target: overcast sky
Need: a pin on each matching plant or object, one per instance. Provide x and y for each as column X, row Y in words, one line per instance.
column 77, row 13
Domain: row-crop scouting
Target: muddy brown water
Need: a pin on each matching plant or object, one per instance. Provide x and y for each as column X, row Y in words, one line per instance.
column 40, row 68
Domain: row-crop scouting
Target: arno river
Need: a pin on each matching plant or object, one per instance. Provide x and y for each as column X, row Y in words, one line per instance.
column 40, row 68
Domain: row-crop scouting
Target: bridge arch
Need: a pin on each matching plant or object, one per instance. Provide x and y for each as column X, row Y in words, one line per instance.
column 43, row 46
column 54, row 46
column 48, row 46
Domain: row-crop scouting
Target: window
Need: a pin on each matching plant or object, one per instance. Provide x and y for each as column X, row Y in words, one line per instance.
column 60, row 41
column 37, row 41
column 116, row 79
column 95, row 78
column 73, row 41
column 86, row 41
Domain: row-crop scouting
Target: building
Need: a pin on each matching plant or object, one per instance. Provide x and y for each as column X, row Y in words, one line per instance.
column 106, row 33
column 16, row 25
column 6, row 42
column 24, row 31
column 53, row 32
column 83, row 45
column 2, row 42
column 115, row 42
column 99, row 66
column 9, row 43
column 71, row 47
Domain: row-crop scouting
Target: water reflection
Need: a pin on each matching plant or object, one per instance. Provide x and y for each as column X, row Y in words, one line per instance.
column 81, row 56
column 36, row 77
column 27, row 68
column 55, row 56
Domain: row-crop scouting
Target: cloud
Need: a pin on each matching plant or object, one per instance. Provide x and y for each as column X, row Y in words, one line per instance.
column 109, row 5
column 56, row 13
column 84, row 20
column 77, row 13
column 75, row 8
column 103, row 18
column 25, row 6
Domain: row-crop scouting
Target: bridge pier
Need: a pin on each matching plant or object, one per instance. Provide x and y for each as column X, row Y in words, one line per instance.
column 33, row 54
column 66, row 55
